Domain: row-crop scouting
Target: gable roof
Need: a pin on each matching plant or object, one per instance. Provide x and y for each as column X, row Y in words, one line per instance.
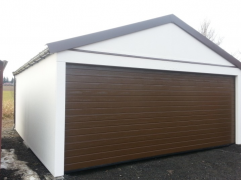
column 75, row 42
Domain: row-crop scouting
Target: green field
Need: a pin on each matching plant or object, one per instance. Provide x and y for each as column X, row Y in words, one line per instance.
column 8, row 105
column 8, row 96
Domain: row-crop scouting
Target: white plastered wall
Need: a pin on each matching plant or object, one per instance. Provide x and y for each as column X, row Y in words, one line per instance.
column 40, row 112
column 166, row 42
column 119, row 61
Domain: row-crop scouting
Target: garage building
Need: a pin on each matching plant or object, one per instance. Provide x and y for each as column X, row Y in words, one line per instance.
column 147, row 89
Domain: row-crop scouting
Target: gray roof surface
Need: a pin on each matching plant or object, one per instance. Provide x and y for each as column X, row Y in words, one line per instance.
column 79, row 41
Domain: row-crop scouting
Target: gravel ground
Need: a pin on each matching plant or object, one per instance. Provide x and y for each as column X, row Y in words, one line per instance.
column 11, row 140
column 215, row 164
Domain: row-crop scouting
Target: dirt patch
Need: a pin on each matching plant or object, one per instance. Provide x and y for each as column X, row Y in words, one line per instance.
column 7, row 123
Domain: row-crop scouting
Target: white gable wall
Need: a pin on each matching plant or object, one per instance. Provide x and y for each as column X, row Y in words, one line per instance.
column 166, row 42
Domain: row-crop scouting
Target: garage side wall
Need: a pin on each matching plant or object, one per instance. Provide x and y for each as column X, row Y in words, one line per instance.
column 36, row 120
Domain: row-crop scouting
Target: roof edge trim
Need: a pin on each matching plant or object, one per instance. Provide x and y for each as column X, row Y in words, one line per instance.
column 42, row 55
column 107, row 34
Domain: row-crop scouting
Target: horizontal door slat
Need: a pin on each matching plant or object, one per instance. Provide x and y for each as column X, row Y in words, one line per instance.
column 168, row 127
column 141, row 92
column 169, row 112
column 139, row 116
column 146, row 132
column 152, row 122
column 159, row 104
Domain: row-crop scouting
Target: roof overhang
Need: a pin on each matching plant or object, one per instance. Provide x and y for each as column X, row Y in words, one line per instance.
column 75, row 42
column 42, row 55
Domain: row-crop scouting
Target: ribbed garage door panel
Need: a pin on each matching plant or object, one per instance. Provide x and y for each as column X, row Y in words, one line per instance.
column 121, row 114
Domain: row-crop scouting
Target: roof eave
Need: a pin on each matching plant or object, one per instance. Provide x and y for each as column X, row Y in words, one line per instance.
column 79, row 41
column 42, row 55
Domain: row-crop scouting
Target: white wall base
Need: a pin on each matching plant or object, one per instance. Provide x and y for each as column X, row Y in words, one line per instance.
column 51, row 177
column 59, row 178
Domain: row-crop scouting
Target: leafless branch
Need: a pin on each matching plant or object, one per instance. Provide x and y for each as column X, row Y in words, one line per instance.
column 209, row 33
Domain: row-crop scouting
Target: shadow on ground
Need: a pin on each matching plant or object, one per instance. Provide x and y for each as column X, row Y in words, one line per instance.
column 217, row 164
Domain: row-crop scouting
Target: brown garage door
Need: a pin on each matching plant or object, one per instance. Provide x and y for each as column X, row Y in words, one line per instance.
column 120, row 114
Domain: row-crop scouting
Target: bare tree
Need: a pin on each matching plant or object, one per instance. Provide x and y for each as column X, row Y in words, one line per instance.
column 209, row 33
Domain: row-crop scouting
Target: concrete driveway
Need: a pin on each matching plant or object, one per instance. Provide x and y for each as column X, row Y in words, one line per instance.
column 217, row 164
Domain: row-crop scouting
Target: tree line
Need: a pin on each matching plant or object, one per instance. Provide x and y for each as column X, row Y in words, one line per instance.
column 6, row 80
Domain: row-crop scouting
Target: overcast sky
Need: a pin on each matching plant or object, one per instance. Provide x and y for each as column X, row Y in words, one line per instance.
column 27, row 25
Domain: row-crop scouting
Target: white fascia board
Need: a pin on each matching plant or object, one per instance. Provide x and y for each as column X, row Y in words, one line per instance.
column 120, row 61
